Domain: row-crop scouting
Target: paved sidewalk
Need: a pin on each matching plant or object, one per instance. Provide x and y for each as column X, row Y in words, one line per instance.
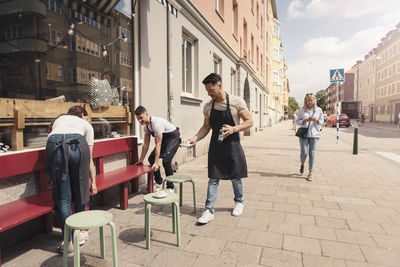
column 381, row 125
column 348, row 216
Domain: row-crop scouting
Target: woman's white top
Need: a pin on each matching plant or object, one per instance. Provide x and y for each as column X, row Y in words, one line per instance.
column 70, row 124
column 314, row 131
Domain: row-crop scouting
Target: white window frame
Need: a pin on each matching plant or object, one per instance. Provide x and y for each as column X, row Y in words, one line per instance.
column 185, row 40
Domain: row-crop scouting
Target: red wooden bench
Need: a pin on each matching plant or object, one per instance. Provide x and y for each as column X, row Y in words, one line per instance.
column 121, row 176
column 25, row 209
column 41, row 204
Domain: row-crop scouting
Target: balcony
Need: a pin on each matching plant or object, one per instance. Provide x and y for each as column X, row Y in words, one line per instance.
column 32, row 7
column 23, row 45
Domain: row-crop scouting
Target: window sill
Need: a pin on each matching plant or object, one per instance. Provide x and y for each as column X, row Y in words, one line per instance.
column 185, row 99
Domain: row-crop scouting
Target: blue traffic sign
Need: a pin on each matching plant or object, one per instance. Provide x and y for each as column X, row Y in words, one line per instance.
column 336, row 75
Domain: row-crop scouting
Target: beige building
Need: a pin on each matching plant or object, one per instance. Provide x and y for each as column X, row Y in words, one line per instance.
column 378, row 80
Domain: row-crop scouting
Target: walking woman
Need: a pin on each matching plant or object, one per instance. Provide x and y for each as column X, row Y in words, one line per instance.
column 311, row 117
column 69, row 162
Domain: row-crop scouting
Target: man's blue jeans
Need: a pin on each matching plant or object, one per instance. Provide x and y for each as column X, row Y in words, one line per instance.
column 308, row 145
column 212, row 192
column 68, row 187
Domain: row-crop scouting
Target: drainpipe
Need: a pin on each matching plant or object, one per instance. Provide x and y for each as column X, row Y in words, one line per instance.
column 169, row 71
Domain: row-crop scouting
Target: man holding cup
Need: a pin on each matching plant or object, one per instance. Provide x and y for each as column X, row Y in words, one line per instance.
column 226, row 159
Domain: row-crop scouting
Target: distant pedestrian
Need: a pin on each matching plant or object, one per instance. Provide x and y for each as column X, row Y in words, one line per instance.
column 226, row 159
column 310, row 117
column 295, row 120
column 325, row 117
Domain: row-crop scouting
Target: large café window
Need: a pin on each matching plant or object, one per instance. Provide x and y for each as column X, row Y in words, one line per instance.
column 48, row 63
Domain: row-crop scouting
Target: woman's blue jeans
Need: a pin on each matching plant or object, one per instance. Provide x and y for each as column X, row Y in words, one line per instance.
column 308, row 146
column 212, row 192
column 67, row 188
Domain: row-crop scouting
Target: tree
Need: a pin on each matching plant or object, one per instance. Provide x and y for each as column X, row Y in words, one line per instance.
column 293, row 105
column 321, row 99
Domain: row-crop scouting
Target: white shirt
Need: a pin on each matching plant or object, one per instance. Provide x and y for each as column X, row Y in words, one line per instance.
column 159, row 126
column 314, row 131
column 70, row 124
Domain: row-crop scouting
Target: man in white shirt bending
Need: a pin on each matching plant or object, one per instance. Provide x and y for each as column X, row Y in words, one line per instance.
column 167, row 139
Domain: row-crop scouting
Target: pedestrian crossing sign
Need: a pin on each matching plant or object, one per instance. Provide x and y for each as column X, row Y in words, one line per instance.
column 337, row 75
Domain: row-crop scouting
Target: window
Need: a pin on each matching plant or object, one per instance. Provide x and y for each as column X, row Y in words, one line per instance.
column 276, row 77
column 252, row 48
column 252, row 6
column 87, row 20
column 276, row 53
column 54, row 37
column 86, row 46
column 233, row 82
column 53, row 5
column 262, row 26
column 245, row 36
column 276, row 30
column 12, row 31
column 126, row 83
column 394, row 69
column 81, row 75
column 125, row 59
column 187, row 64
column 393, row 89
column 217, row 64
column 235, row 21
column 54, row 72
column 126, row 33
column 219, row 7
column 258, row 62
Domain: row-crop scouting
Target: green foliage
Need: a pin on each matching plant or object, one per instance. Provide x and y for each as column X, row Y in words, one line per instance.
column 293, row 105
column 321, row 99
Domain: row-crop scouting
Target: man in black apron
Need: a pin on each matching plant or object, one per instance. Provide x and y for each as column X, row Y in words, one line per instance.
column 167, row 139
column 226, row 159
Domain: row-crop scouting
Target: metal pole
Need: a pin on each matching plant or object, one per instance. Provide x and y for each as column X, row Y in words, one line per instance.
column 355, row 141
column 337, row 114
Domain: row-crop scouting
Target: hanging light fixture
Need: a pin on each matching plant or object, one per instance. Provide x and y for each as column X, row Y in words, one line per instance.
column 105, row 52
column 71, row 29
column 124, row 38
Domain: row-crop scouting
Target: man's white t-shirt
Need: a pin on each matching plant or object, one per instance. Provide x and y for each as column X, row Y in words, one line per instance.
column 70, row 124
column 159, row 126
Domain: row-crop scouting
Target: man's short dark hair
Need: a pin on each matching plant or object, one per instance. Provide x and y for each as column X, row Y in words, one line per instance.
column 140, row 110
column 212, row 78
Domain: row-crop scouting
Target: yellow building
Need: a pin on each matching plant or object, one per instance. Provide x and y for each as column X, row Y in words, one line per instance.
column 277, row 83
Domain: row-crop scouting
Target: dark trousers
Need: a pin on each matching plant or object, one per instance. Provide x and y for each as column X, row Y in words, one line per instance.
column 169, row 147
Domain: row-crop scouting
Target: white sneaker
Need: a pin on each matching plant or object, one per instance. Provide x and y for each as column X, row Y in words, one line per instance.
column 169, row 190
column 70, row 249
column 157, row 187
column 206, row 217
column 238, row 209
column 83, row 237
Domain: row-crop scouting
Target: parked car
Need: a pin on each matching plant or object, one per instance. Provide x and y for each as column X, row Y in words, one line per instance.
column 343, row 120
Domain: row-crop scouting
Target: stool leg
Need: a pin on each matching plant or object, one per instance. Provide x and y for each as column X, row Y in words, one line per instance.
column 77, row 256
column 180, row 194
column 178, row 224
column 65, row 254
column 194, row 197
column 163, row 183
column 114, row 244
column 102, row 248
column 148, row 212
column 173, row 219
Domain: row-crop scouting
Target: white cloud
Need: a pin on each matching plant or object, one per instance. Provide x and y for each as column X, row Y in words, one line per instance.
column 124, row 6
column 310, row 73
column 340, row 8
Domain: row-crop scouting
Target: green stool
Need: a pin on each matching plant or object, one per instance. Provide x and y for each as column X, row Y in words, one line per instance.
column 171, row 198
column 180, row 179
column 89, row 220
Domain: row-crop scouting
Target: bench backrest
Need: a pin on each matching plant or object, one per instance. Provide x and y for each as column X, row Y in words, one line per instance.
column 24, row 162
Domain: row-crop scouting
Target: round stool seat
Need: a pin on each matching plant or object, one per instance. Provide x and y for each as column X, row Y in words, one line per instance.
column 170, row 198
column 89, row 219
column 178, row 178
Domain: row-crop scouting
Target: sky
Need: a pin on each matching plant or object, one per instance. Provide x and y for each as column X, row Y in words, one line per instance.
column 319, row 35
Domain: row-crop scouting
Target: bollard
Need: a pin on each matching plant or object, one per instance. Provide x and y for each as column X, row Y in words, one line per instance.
column 355, row 141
